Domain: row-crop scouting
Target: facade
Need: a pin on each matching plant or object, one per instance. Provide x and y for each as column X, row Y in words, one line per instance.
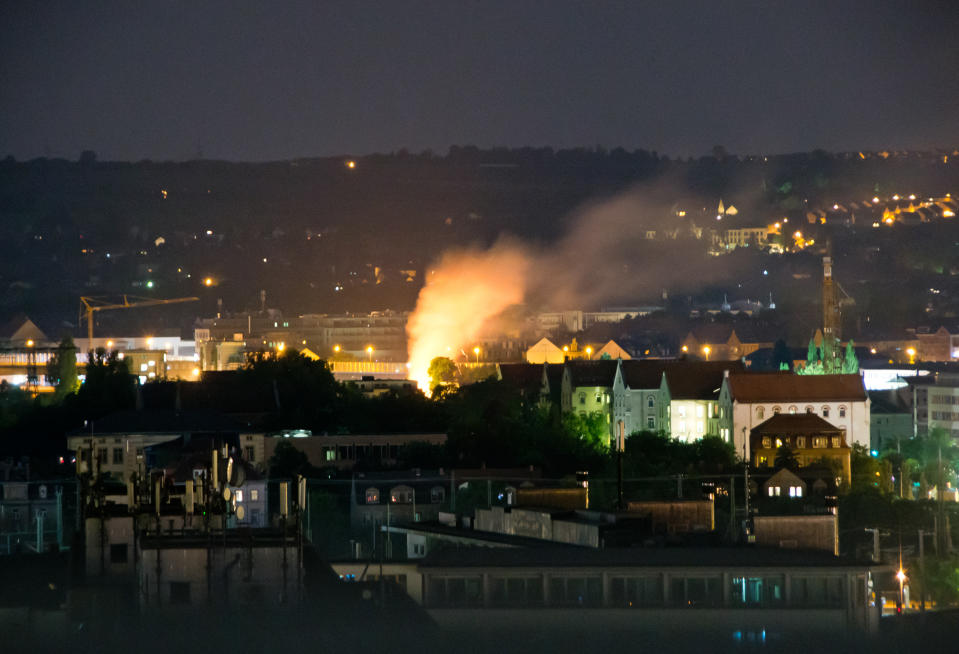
column 752, row 398
column 935, row 403
column 345, row 451
column 588, row 388
column 545, row 351
column 641, row 398
column 940, row 345
column 694, row 408
column 683, row 589
column 810, row 438
column 717, row 342
column 390, row 498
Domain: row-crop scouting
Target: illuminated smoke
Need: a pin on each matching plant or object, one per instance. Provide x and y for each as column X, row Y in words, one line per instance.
column 463, row 293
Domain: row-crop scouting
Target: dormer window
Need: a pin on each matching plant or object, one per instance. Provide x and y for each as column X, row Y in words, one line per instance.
column 372, row 496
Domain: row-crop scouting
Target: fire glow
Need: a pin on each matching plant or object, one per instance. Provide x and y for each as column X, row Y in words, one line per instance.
column 463, row 292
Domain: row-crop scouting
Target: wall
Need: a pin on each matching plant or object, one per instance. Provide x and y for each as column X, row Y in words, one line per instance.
column 819, row 532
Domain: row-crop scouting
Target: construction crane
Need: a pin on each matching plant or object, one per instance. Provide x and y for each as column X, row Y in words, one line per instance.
column 92, row 304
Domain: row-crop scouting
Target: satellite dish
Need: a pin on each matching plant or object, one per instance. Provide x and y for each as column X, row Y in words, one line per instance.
column 240, row 512
column 227, row 493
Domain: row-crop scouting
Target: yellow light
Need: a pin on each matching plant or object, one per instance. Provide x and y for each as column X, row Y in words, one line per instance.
column 948, row 213
column 30, row 342
column 875, row 200
column 196, row 372
column 476, row 350
column 351, row 164
column 369, row 349
column 336, row 348
column 208, row 281
column 149, row 341
column 589, row 351
column 565, row 348
column 912, row 196
column 835, row 207
column 281, row 346
column 911, row 351
column 785, row 220
column 798, row 234
column 901, row 575
column 895, row 197
column 109, row 343
column 872, row 350
column 778, row 225
column 685, row 348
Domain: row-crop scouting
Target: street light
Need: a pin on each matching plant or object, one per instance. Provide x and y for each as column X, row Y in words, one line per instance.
column 901, row 576
column 369, row 351
column 476, row 351
column 706, row 351
column 589, row 352
column 336, row 349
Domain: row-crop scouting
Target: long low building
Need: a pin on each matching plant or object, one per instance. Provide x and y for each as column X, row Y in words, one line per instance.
column 701, row 590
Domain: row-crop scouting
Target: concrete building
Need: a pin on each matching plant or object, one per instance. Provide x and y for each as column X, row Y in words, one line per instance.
column 345, row 451
column 934, row 400
column 641, row 397
column 752, row 398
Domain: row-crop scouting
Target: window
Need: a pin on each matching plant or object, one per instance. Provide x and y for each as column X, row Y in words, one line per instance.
column 700, row 427
column 650, row 422
column 825, row 412
column 809, row 409
column 795, row 491
column 764, row 462
column 819, row 441
column 582, row 398
column 651, row 402
column 801, row 441
column 755, row 592
column 118, row 456
column 437, row 494
column 179, row 592
column 793, row 409
column 776, row 410
column 516, row 591
column 455, row 591
column 250, row 453
column 633, row 592
column 696, row 592
column 774, row 491
column 118, row 553
column 842, row 412
column 372, row 496
column 330, row 453
column 760, row 412
column 836, row 441
column 699, row 410
column 401, row 495
column 817, row 591
column 767, row 442
column 779, row 442
column 576, row 591
column 239, row 495
column 102, row 456
column 682, row 426
column 254, row 495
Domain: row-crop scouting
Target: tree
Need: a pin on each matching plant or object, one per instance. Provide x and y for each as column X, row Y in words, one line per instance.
column 442, row 372
column 287, row 461
column 781, row 356
column 850, row 363
column 786, row 458
column 62, row 368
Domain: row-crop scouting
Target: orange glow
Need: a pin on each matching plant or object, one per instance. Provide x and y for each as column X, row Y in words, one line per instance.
column 467, row 290
column 351, row 164
column 208, row 281
column 30, row 342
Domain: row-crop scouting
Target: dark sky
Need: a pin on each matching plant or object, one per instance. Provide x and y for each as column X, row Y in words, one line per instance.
column 272, row 80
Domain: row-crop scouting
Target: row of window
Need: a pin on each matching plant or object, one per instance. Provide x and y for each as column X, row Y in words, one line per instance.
column 800, row 442
column 404, row 495
column 945, row 415
column 693, row 591
column 761, row 411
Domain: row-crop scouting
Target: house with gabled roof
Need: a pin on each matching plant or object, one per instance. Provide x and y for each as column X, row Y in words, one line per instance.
column 752, row 398
column 545, row 351
column 19, row 330
column 641, row 396
column 694, row 409
column 588, row 388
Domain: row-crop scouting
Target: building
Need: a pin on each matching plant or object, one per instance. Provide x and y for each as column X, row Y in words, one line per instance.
column 665, row 590
column 939, row 345
column 752, row 398
column 588, row 388
column 934, row 400
column 890, row 420
column 545, row 351
column 694, row 409
column 811, row 439
column 641, row 397
column 344, row 451
column 722, row 342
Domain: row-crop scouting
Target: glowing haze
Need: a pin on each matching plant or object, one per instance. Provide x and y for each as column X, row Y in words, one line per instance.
column 463, row 292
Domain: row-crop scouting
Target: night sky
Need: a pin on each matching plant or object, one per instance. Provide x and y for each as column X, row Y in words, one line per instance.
column 275, row 80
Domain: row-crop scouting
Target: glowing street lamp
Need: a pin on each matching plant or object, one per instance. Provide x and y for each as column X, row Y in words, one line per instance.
column 336, row 349
column 706, row 351
column 280, row 346
column 476, row 351
column 369, row 351
column 901, row 577
column 208, row 281
column 589, row 352
column 912, row 354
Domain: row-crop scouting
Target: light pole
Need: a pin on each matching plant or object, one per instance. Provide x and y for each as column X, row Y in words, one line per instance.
column 706, row 351
column 369, row 351
column 476, row 351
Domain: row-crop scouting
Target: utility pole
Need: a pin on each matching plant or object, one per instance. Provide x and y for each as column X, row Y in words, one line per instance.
column 746, row 486
column 922, row 571
column 620, row 446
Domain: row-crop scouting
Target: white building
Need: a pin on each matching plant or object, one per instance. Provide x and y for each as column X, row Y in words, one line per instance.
column 751, row 398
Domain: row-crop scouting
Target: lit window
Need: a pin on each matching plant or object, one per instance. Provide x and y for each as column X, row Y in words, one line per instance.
column 779, row 442
column 372, row 496
column 767, row 442
column 254, row 495
column 239, row 495
column 801, row 441
column 793, row 409
column 776, row 410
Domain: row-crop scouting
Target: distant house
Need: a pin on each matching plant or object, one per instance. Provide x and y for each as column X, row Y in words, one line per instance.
column 810, row 438
column 545, row 351
column 612, row 350
column 694, row 409
column 752, row 398
column 528, row 379
column 20, row 331
column 721, row 342
column 784, row 483
column 641, row 396
column 588, row 388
